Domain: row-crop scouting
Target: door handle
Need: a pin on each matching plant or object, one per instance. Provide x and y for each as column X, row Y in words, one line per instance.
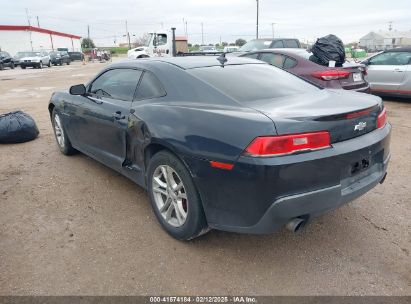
column 118, row 115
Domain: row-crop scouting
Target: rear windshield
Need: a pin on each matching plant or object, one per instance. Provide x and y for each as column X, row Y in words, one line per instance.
column 249, row 82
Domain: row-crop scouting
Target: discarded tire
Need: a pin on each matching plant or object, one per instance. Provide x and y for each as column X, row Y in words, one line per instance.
column 17, row 127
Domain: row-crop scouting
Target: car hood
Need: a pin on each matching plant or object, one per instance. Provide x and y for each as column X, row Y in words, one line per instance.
column 30, row 58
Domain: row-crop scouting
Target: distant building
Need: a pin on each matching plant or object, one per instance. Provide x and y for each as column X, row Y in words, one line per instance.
column 379, row 41
column 17, row 38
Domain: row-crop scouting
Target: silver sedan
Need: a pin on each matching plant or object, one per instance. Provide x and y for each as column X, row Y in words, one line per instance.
column 389, row 72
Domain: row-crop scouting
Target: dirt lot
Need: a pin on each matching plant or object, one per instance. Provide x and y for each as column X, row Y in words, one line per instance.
column 69, row 225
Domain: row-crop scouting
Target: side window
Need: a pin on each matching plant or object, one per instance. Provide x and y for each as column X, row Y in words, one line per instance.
column 116, row 84
column 161, row 39
column 277, row 44
column 150, row 87
column 273, row 59
column 290, row 44
column 253, row 56
column 391, row 58
column 289, row 63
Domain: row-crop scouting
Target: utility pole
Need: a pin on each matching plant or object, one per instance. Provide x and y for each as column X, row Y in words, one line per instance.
column 272, row 25
column 202, row 34
column 256, row 34
column 38, row 22
column 128, row 37
column 28, row 21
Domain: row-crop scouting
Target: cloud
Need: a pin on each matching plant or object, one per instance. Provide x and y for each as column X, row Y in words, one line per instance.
column 228, row 19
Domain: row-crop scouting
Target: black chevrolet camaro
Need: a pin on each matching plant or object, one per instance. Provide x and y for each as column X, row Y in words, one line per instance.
column 238, row 145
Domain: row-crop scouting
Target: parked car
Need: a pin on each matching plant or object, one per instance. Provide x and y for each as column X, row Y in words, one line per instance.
column 59, row 58
column 246, row 148
column 76, row 56
column 229, row 49
column 207, row 49
column 389, row 72
column 18, row 56
column 270, row 43
column 139, row 52
column 6, row 60
column 297, row 61
column 35, row 60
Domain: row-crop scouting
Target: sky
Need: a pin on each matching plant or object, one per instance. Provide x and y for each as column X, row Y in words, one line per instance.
column 225, row 20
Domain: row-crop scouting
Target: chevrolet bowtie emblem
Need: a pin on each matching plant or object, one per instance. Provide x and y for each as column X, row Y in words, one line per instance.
column 360, row 126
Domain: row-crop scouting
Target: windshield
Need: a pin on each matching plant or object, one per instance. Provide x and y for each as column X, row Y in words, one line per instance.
column 250, row 82
column 31, row 54
column 255, row 45
column 22, row 54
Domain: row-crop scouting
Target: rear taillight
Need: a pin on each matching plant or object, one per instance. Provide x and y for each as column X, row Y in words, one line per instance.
column 331, row 74
column 382, row 119
column 288, row 144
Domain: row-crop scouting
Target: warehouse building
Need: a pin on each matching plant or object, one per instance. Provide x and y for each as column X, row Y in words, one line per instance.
column 18, row 38
column 380, row 41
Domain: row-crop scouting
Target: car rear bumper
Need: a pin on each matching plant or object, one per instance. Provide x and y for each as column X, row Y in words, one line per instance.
column 261, row 195
column 365, row 89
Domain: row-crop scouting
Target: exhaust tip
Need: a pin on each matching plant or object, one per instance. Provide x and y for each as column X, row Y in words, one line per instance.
column 295, row 224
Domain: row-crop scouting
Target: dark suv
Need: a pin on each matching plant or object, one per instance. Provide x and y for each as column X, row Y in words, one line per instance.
column 60, row 57
column 6, row 60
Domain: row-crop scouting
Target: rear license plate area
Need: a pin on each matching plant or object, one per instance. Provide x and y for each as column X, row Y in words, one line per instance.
column 357, row 77
column 360, row 166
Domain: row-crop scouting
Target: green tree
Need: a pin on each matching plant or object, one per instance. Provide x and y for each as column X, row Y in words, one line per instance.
column 87, row 43
column 224, row 43
column 240, row 42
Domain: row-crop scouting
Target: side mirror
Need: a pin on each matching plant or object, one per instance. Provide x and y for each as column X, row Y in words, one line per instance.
column 78, row 89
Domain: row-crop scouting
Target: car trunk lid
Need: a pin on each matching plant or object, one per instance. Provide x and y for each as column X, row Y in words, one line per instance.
column 343, row 114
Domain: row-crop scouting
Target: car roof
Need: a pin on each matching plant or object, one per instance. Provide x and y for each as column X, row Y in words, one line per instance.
column 191, row 62
column 401, row 49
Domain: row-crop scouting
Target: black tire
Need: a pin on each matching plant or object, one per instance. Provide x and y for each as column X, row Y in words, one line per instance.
column 1, row 66
column 195, row 223
column 40, row 65
column 68, row 62
column 12, row 65
column 54, row 64
column 61, row 62
column 49, row 64
column 66, row 148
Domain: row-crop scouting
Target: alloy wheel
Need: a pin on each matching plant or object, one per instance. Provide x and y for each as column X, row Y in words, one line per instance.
column 170, row 195
column 58, row 130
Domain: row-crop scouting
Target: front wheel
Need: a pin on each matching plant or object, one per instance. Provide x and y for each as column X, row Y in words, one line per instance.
column 12, row 65
column 60, row 134
column 40, row 65
column 174, row 198
column 1, row 66
column 49, row 65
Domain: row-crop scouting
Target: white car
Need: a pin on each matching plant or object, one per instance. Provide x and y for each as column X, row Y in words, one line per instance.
column 35, row 60
column 139, row 52
column 207, row 49
column 229, row 49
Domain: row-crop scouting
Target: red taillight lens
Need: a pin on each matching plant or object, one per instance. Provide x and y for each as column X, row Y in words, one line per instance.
column 287, row 144
column 331, row 74
column 382, row 119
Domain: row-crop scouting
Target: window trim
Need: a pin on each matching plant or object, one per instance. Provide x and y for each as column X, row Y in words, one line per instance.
column 89, row 85
column 135, row 98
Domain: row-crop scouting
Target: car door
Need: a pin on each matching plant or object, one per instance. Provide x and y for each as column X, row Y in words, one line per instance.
column 101, row 118
column 386, row 71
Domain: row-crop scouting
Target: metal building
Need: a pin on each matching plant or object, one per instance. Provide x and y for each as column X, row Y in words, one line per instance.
column 17, row 38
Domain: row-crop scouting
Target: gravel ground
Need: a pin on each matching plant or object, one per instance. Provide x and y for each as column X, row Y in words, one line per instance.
column 69, row 225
